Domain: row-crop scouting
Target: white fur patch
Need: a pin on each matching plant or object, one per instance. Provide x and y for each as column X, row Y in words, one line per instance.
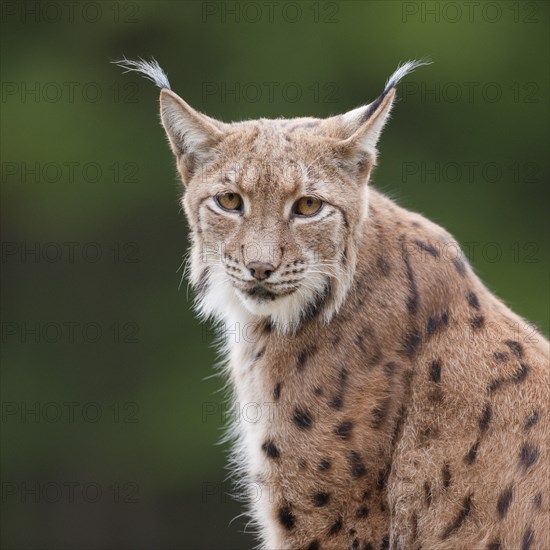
column 149, row 69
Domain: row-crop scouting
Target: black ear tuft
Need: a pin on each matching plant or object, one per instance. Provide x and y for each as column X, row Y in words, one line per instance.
column 393, row 81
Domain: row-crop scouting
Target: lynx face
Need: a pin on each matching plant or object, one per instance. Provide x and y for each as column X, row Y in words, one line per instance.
column 277, row 209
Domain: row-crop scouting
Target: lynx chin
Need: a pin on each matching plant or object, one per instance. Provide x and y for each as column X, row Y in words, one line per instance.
column 399, row 404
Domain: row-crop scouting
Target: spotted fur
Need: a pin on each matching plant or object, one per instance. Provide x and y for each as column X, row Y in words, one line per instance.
column 402, row 405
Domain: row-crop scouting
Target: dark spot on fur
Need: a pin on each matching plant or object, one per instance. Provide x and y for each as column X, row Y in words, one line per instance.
column 302, row 419
column 472, row 453
column 495, row 545
column 485, row 419
column 336, row 527
column 503, row 503
column 313, row 308
column 366, row 494
column 464, row 512
column 516, row 347
column 321, row 499
column 436, row 323
column 414, row 527
column 337, row 401
column 383, row 266
column 286, row 518
column 528, row 455
column 495, row 385
column 446, row 475
column 411, row 343
column 460, row 267
column 427, row 493
column 500, row 356
column 425, row 247
column 268, row 326
column 324, row 465
column 302, row 463
column 390, row 368
column 318, row 391
column 527, row 539
column 302, row 358
column 314, row 545
column 435, row 370
column 537, row 501
column 369, row 546
column 260, row 354
column 432, row 325
column 358, row 468
column 270, row 449
column 362, row 512
column 344, row 429
column 413, row 300
column 343, row 376
column 374, row 357
column 385, row 543
column 277, row 391
column 531, row 421
column 477, row 321
column 382, row 479
column 355, row 544
column 398, row 428
column 473, row 301
column 380, row 413
column 522, row 373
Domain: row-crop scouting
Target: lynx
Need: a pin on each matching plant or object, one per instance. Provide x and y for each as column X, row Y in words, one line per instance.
column 398, row 403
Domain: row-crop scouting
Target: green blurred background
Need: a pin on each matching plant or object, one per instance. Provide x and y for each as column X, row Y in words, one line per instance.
column 105, row 384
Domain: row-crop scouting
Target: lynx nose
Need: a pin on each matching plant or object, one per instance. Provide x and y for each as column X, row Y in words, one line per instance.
column 259, row 270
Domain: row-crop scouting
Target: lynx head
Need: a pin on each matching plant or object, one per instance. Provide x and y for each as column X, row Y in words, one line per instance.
column 275, row 207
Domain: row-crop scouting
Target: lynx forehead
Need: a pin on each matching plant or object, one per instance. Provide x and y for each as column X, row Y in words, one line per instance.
column 401, row 404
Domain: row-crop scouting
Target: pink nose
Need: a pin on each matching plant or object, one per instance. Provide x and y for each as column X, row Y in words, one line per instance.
column 259, row 270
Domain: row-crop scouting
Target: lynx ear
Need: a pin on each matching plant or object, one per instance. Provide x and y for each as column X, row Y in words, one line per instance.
column 362, row 126
column 365, row 124
column 192, row 135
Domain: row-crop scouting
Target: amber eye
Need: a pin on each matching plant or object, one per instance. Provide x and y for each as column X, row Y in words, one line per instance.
column 307, row 206
column 230, row 201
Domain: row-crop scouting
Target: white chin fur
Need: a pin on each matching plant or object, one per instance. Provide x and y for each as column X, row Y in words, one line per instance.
column 227, row 304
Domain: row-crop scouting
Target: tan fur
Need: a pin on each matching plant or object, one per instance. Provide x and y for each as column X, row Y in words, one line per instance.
column 409, row 408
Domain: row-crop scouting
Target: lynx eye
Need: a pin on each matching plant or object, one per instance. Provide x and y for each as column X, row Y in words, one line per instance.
column 230, row 201
column 307, row 206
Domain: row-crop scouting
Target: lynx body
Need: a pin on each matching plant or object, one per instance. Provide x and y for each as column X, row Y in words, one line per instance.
column 398, row 403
